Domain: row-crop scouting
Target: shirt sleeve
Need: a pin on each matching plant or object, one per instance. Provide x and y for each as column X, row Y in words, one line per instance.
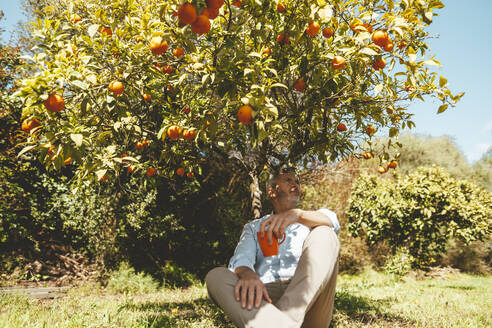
column 333, row 217
column 245, row 253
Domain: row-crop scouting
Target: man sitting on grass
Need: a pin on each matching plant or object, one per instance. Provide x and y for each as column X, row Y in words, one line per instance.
column 294, row 288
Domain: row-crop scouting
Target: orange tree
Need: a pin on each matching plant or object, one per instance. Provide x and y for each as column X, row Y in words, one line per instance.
column 151, row 88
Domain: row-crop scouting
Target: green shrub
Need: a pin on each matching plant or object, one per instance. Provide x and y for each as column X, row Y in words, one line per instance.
column 399, row 263
column 419, row 212
column 126, row 281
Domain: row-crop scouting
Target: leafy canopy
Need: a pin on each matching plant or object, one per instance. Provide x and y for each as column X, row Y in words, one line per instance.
column 81, row 47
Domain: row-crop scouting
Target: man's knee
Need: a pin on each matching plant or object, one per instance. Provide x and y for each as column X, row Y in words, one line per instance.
column 214, row 275
column 323, row 236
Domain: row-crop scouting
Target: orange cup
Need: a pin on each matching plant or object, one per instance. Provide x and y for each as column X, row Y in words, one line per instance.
column 269, row 250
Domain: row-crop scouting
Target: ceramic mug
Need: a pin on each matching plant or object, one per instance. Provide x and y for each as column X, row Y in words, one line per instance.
column 269, row 250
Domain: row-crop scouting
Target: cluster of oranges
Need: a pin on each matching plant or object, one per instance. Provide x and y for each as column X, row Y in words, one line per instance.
column 174, row 132
column 181, row 171
column 391, row 165
column 200, row 24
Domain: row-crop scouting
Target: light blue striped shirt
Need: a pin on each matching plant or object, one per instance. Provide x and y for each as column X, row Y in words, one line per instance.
column 278, row 267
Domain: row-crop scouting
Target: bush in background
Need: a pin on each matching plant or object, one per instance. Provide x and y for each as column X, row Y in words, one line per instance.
column 126, row 281
column 419, row 212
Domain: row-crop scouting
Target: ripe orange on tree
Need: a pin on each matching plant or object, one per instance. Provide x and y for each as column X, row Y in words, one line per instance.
column 29, row 124
column 201, row 25
column 157, row 45
column 54, row 103
column 237, row 3
column 180, row 171
column 215, row 3
column 151, row 172
column 147, row 97
column 173, row 132
column 142, row 144
column 188, row 134
column 168, row 69
column 178, row 52
column 67, row 161
column 187, row 13
column 186, row 109
column 313, row 28
column 370, row 130
column 368, row 27
column 267, row 51
column 401, row 45
column 281, row 7
column 190, row 174
column 368, row 155
column 76, row 18
column 50, row 150
column 392, row 164
column 389, row 46
column 338, row 62
column 381, row 170
column 116, row 87
column 131, row 169
column 106, row 30
column 103, row 178
column 300, row 84
column 245, row 114
column 379, row 63
column 341, row 127
column 328, row 32
column 283, row 38
column 380, row 38
column 211, row 13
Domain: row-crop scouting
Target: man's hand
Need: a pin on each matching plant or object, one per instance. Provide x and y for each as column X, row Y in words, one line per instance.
column 249, row 289
column 277, row 223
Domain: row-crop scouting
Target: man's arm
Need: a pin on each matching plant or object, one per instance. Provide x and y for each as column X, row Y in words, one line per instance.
column 249, row 288
column 278, row 222
column 312, row 219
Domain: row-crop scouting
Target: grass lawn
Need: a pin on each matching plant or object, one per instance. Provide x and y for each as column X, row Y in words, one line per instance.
column 370, row 299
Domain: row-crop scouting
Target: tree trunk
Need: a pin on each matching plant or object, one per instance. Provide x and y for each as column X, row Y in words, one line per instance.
column 255, row 195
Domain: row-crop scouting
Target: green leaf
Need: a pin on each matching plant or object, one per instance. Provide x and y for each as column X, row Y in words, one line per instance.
column 101, row 173
column 25, row 149
column 248, row 71
column 369, row 51
column 280, row 85
column 378, row 89
column 428, row 17
column 442, row 81
column 393, row 132
column 80, row 84
column 77, row 138
column 92, row 30
column 442, row 108
column 432, row 62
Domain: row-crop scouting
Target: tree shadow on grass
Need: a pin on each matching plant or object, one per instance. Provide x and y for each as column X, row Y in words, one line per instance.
column 357, row 311
column 350, row 311
column 200, row 312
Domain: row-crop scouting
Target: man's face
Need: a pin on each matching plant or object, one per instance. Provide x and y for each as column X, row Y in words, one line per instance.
column 287, row 189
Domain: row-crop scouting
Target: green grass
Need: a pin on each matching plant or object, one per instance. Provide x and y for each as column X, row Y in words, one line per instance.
column 370, row 299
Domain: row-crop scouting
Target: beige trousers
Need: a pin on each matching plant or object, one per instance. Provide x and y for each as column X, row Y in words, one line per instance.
column 306, row 300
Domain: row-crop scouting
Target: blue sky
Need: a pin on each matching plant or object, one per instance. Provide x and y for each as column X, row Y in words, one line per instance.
column 463, row 45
